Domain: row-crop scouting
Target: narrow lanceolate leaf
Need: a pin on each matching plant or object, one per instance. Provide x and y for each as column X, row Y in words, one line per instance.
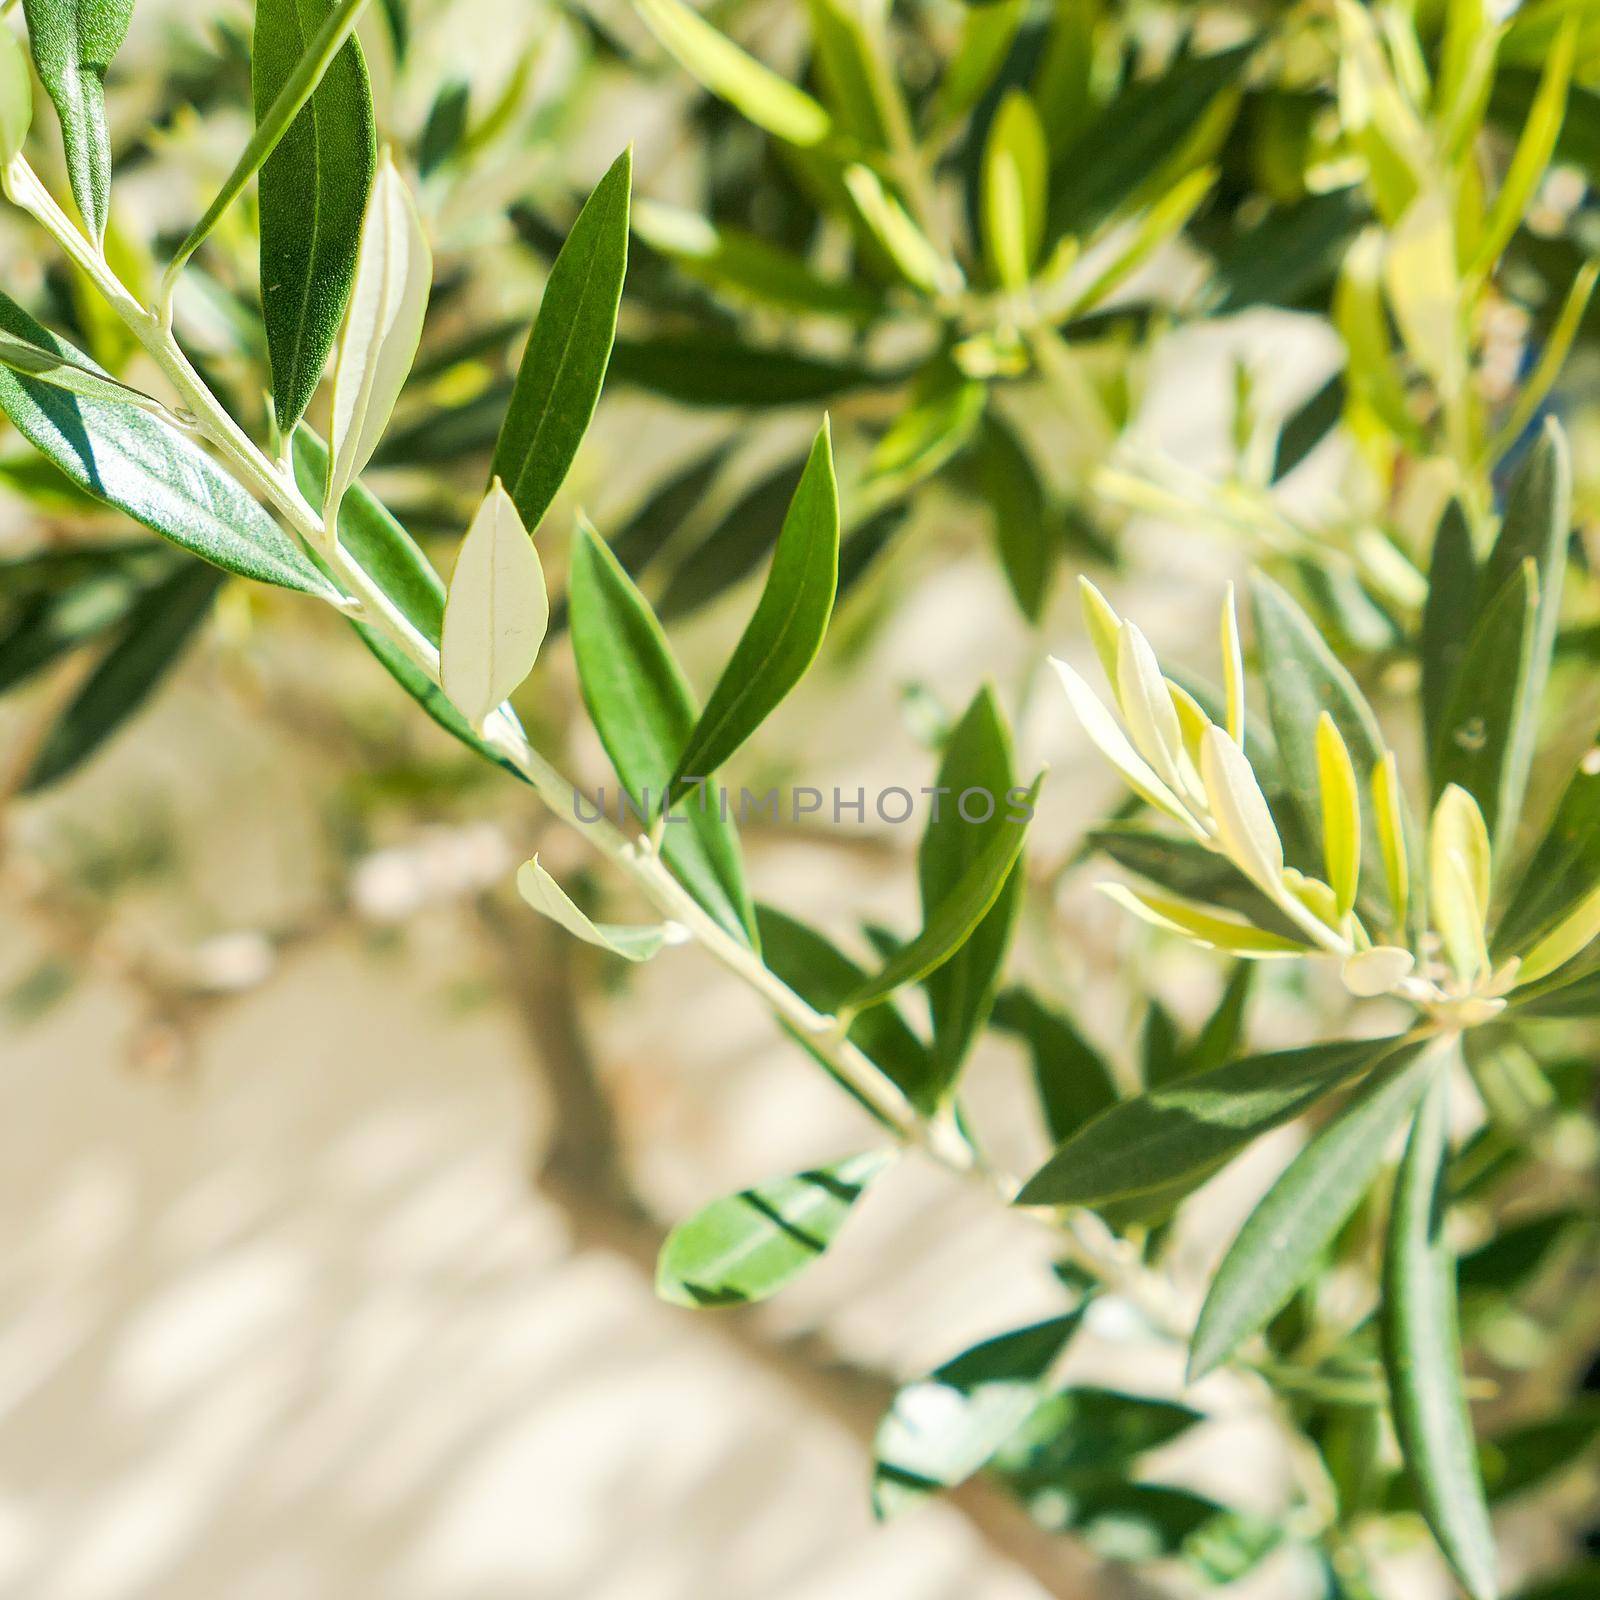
column 73, row 42
column 545, row 895
column 1016, row 183
column 1422, row 1353
column 783, row 636
column 16, row 96
column 974, row 783
column 1282, row 1241
column 1244, row 822
column 1390, row 825
column 1459, row 875
column 86, row 380
column 1103, row 626
column 944, row 1428
column 129, row 459
column 394, row 272
column 1421, row 278
column 906, row 245
column 558, row 383
column 1193, row 1126
column 1341, row 814
column 1073, row 1081
column 1563, row 869
column 1233, row 669
column 749, row 1245
column 157, row 631
column 497, row 612
column 1204, row 925
column 1569, row 936
column 313, row 198
column 1452, row 600
column 768, row 100
column 643, row 711
column 960, row 909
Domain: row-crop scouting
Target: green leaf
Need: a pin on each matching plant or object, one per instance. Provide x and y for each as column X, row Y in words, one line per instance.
column 1029, row 548
column 783, row 636
column 394, row 560
column 1082, row 1437
column 1507, row 1263
column 976, row 763
column 1479, row 727
column 129, row 459
column 1195, row 1125
column 546, row 896
column 558, row 383
column 16, row 97
column 73, row 42
column 769, row 101
column 1422, row 1354
column 857, row 83
column 1527, row 1457
column 714, row 369
column 1016, row 180
column 987, row 34
column 1452, row 599
column 1564, row 868
column 1220, row 1036
column 1073, row 1082
column 1283, row 1239
column 897, row 233
column 313, row 197
column 822, row 977
column 944, row 1428
column 643, row 711
column 1581, row 1582
column 156, row 632
column 960, row 910
column 749, row 1245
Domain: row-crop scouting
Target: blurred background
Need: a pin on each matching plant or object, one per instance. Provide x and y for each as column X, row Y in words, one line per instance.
column 332, row 1178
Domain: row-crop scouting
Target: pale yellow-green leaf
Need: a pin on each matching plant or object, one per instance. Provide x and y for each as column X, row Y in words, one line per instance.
column 16, row 95
column 1233, row 669
column 902, row 240
column 1016, row 178
column 1316, row 896
column 1108, row 737
column 768, row 100
column 1419, row 272
column 545, row 895
column 1192, row 720
column 1392, row 835
column 497, row 610
column 1458, row 880
column 1244, row 823
column 394, row 270
column 1147, row 708
column 1575, row 931
column 1534, row 149
column 1376, row 971
column 1341, row 813
column 1162, row 221
column 1359, row 316
column 1213, row 929
column 1103, row 625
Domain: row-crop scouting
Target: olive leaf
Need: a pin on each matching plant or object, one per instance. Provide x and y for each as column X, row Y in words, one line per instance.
column 545, row 895
column 644, row 711
column 786, row 630
column 497, row 611
column 1422, row 1355
column 73, row 42
column 1072, row 1079
column 750, row 1245
column 313, row 197
column 1016, row 180
column 558, row 383
column 16, row 96
column 388, row 301
column 129, row 459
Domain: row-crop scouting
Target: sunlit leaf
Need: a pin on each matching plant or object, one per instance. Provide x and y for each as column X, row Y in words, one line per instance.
column 1073, row 1081
column 16, row 96
column 1016, row 177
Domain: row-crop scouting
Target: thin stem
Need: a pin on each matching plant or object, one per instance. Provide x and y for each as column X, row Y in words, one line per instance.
column 302, row 83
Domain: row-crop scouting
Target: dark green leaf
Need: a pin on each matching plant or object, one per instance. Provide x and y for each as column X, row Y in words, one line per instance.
column 1564, row 868
column 976, row 763
column 643, row 711
column 1452, row 600
column 1081, row 1436
column 1527, row 1457
column 73, row 42
column 1283, row 1239
column 147, row 469
column 1307, row 426
column 157, row 630
column 944, row 1428
column 1422, row 1353
column 1577, row 1583
column 786, row 631
column 1073, row 1081
column 1291, row 257
column 1160, row 1049
column 446, row 125
column 1029, row 546
column 1224, row 1029
column 715, row 370
column 1481, row 721
column 1197, row 1124
column 1509, row 1261
column 558, row 383
column 313, row 198
column 822, row 977
column 960, row 910
column 747, row 1246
